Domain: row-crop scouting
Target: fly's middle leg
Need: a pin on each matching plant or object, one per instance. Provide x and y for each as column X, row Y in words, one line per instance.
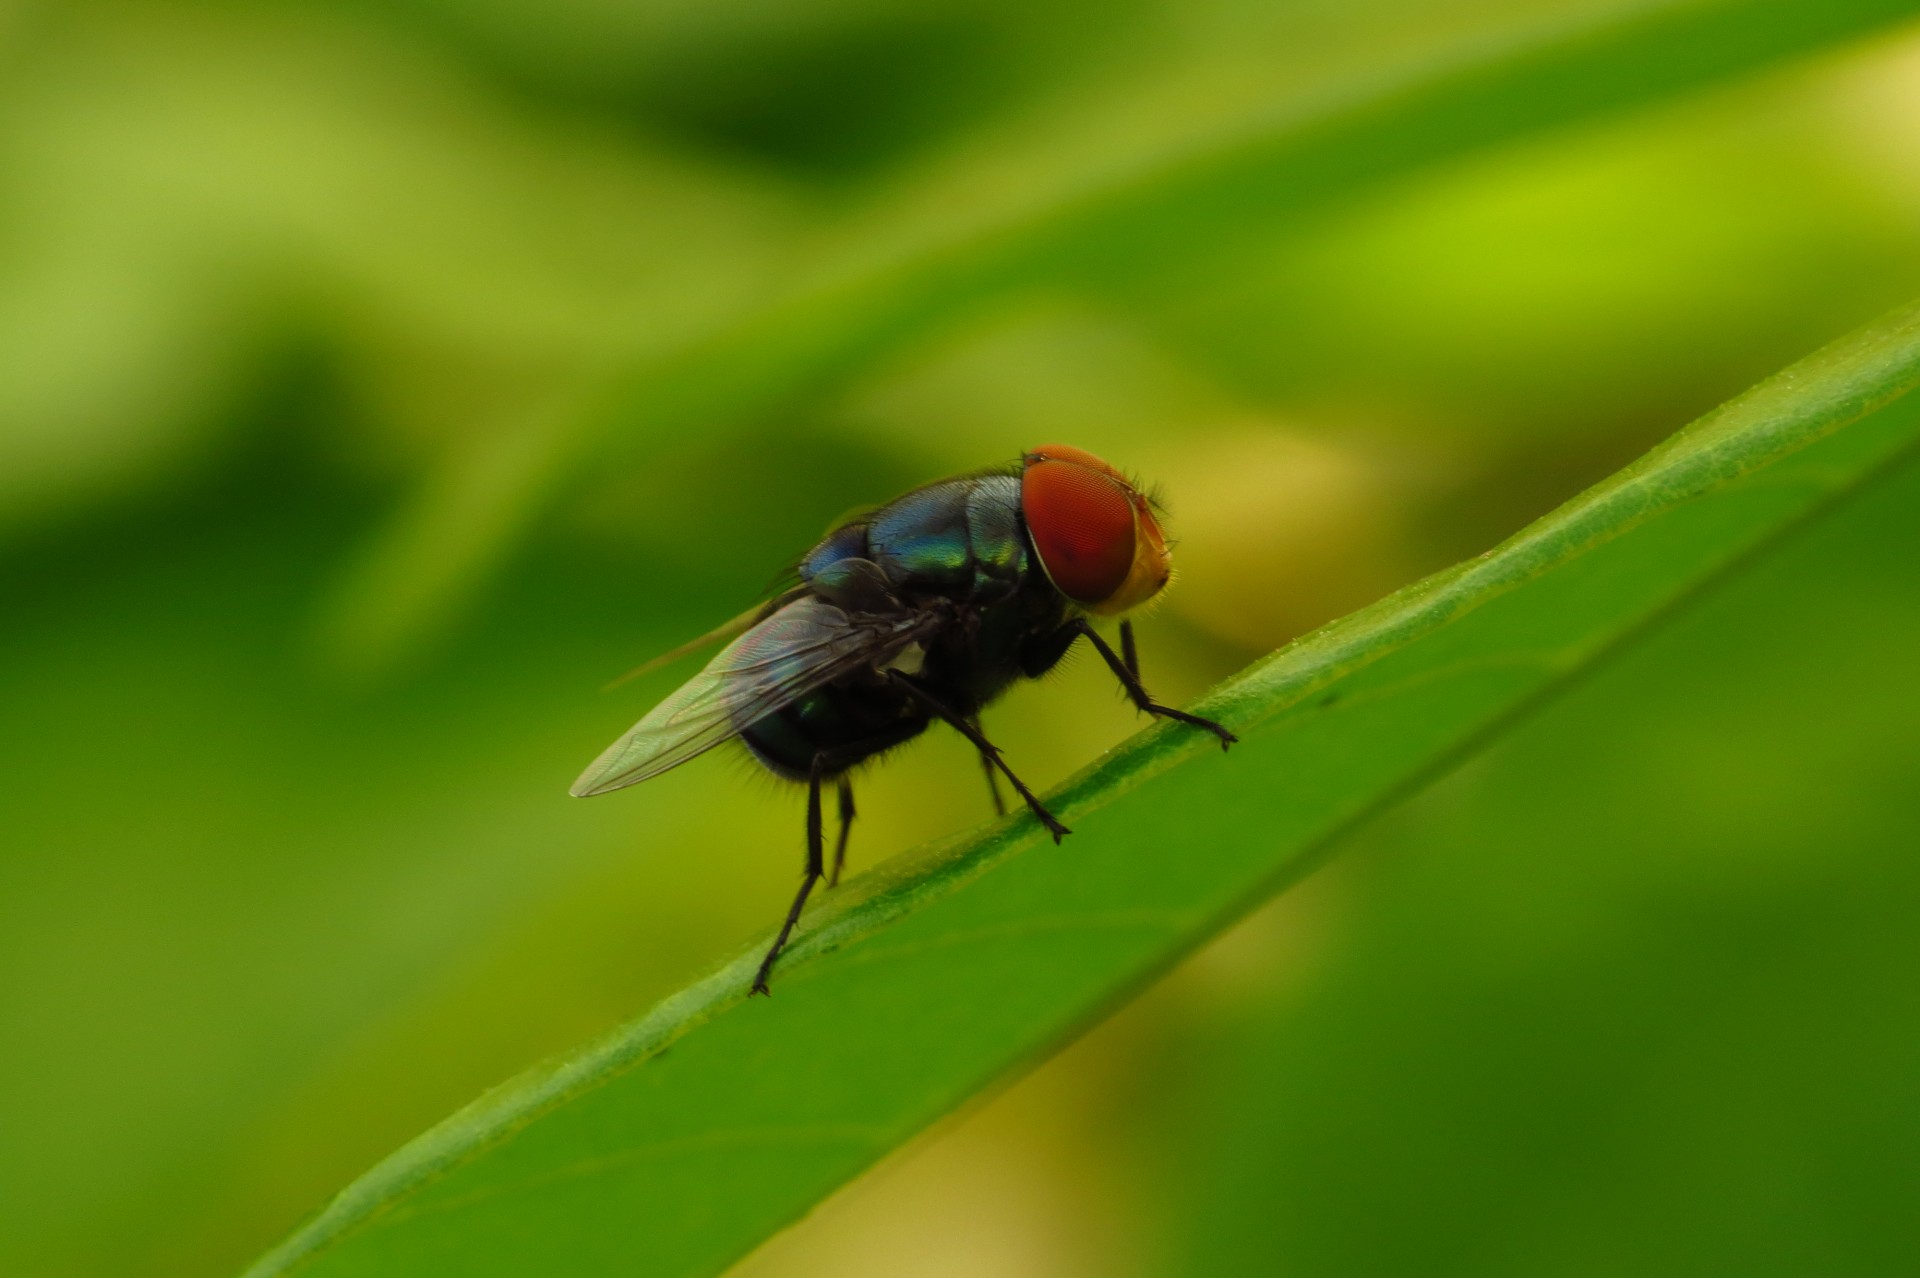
column 993, row 776
column 987, row 749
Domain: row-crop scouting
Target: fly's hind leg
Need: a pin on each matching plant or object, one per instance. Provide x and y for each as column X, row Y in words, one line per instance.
column 816, row 856
column 827, row 764
column 1127, row 671
column 987, row 749
column 845, row 788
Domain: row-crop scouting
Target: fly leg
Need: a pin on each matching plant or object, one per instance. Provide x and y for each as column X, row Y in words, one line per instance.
column 1127, row 672
column 987, row 749
column 845, row 788
column 993, row 778
column 815, row 858
column 829, row 763
column 1128, row 652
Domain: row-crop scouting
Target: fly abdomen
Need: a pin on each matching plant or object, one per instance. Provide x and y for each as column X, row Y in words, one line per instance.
column 841, row 724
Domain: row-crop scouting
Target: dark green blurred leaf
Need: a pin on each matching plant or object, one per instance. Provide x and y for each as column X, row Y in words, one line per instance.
column 1055, row 211
column 680, row 1160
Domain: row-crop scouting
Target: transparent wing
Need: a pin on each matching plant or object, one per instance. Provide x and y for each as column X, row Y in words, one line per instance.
column 804, row 646
column 725, row 630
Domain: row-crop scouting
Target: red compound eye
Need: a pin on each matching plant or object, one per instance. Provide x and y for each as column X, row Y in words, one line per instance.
column 1080, row 514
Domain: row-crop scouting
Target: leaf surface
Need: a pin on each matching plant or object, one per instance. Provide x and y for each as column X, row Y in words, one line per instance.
column 679, row 1141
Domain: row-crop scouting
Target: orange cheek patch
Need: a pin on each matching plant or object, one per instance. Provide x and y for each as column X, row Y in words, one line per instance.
column 1082, row 524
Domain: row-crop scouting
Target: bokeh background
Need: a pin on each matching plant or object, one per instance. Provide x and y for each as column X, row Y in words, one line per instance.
column 308, row 586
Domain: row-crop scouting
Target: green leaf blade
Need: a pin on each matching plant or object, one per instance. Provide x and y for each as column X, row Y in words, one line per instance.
column 680, row 1141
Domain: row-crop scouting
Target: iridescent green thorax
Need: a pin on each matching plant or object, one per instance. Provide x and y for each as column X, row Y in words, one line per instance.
column 959, row 536
column 924, row 536
column 993, row 519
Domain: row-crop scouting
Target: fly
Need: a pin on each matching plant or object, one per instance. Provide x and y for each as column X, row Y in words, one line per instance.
column 926, row 608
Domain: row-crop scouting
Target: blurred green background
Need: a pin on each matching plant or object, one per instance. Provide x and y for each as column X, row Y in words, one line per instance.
column 309, row 582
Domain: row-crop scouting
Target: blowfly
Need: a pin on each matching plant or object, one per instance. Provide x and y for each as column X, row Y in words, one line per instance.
column 926, row 608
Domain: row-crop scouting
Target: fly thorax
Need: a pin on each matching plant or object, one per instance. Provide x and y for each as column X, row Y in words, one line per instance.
column 857, row 585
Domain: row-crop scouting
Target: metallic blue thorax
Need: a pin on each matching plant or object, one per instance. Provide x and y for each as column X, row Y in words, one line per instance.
column 960, row 537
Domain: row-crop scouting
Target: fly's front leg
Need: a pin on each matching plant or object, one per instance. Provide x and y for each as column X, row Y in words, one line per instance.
column 1126, row 670
column 987, row 749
